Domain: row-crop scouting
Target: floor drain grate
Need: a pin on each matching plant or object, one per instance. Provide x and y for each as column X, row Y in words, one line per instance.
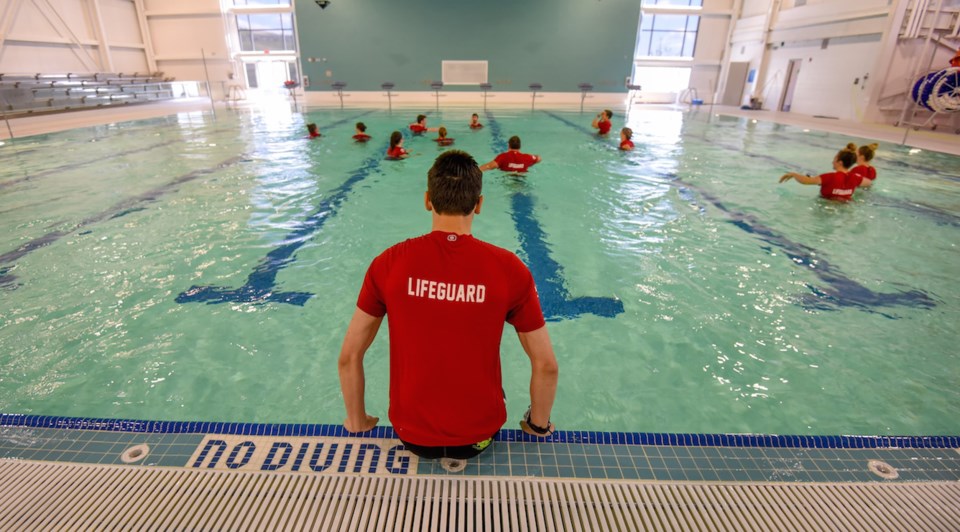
column 135, row 453
column 882, row 469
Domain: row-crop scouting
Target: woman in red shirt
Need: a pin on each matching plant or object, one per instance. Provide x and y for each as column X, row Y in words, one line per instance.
column 396, row 150
column 625, row 135
column 837, row 185
column 863, row 168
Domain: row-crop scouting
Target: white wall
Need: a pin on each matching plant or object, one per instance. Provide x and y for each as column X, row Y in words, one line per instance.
column 64, row 36
column 182, row 32
column 830, row 81
column 837, row 41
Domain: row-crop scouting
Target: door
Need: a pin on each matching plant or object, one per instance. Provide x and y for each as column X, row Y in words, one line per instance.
column 786, row 99
column 736, row 81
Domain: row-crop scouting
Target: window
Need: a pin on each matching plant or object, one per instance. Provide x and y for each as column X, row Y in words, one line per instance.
column 667, row 35
column 270, row 31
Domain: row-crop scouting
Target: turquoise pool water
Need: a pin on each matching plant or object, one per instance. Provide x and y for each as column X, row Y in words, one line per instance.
column 195, row 269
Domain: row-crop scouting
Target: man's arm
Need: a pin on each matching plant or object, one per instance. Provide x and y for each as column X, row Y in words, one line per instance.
column 492, row 165
column 543, row 380
column 360, row 334
column 802, row 179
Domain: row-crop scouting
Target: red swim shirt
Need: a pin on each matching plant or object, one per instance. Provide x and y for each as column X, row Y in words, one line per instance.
column 448, row 296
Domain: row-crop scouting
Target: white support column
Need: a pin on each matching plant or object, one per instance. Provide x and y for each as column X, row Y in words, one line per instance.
column 725, row 58
column 106, row 58
column 768, row 24
column 145, row 35
column 6, row 20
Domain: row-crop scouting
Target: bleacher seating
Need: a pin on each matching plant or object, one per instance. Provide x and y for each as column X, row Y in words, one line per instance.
column 44, row 93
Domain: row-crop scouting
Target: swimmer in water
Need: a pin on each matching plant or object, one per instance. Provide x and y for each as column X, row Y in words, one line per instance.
column 863, row 168
column 625, row 135
column 312, row 130
column 396, row 150
column 512, row 160
column 443, row 139
column 361, row 135
column 602, row 122
column 475, row 122
column 837, row 185
column 420, row 126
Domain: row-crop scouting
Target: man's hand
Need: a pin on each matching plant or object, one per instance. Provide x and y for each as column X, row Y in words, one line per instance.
column 785, row 177
column 361, row 425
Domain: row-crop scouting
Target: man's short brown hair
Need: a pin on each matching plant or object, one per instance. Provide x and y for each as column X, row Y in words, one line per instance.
column 454, row 183
column 514, row 143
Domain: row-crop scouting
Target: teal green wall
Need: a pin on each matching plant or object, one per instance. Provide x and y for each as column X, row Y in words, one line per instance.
column 559, row 43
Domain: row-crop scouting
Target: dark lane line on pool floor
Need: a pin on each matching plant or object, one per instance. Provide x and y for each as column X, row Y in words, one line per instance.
column 939, row 216
column 842, row 291
column 547, row 273
column 126, row 206
column 261, row 284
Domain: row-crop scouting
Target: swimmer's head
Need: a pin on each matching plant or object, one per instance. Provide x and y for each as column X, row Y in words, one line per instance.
column 312, row 128
column 454, row 183
column 361, row 127
column 395, row 139
column 475, row 115
column 609, row 113
column 627, row 133
column 868, row 151
column 514, row 143
column 442, row 132
column 421, row 118
column 846, row 158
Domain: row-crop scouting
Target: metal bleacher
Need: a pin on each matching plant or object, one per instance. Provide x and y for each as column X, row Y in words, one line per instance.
column 22, row 94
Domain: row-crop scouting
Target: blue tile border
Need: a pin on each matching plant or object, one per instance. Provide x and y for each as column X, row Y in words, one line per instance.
column 505, row 435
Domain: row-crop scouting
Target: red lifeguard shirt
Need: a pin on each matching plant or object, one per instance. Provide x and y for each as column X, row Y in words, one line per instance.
column 604, row 127
column 865, row 172
column 838, row 185
column 478, row 125
column 514, row 161
column 395, row 152
column 361, row 137
column 626, row 145
column 448, row 296
column 418, row 128
column 445, row 141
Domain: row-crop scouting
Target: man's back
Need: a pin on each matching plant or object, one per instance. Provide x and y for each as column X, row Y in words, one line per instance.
column 448, row 296
column 515, row 161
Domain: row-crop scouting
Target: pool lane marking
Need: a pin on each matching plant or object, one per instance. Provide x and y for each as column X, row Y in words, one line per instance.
column 128, row 205
column 555, row 300
column 841, row 292
column 73, row 166
column 260, row 285
column 939, row 216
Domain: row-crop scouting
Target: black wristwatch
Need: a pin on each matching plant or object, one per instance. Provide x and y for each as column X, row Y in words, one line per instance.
column 535, row 428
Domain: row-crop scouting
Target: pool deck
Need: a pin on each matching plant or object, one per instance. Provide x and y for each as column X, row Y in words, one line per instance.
column 708, row 479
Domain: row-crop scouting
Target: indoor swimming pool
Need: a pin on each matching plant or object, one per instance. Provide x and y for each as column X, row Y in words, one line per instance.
column 201, row 268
